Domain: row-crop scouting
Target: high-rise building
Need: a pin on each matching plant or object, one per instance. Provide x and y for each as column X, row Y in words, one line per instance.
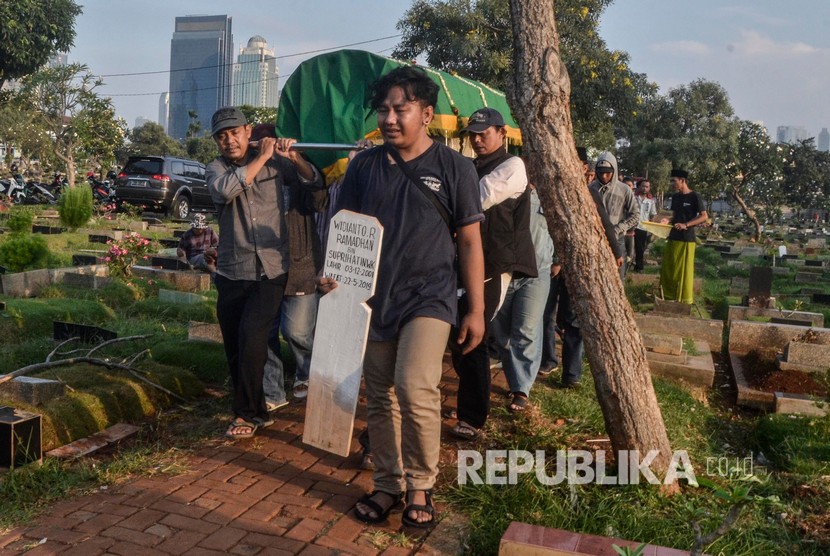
column 824, row 140
column 164, row 109
column 790, row 134
column 255, row 75
column 201, row 58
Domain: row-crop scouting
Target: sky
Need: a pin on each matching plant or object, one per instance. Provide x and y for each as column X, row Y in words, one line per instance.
column 771, row 56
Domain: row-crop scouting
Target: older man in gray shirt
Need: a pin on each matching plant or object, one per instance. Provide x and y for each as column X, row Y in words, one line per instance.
column 247, row 184
column 618, row 199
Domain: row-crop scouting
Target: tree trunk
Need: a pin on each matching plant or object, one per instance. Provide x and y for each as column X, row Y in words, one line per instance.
column 540, row 98
column 753, row 217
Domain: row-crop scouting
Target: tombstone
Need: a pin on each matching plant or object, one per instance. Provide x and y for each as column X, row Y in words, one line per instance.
column 814, row 262
column 793, row 322
column 821, row 298
column 169, row 263
column 87, row 333
column 84, row 260
column 760, row 286
column 352, row 255
column 168, row 242
column 20, row 437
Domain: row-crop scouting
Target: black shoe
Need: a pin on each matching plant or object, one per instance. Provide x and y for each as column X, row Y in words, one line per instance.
column 570, row 384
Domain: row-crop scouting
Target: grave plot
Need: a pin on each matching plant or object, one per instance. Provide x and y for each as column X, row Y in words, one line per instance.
column 759, row 302
column 762, row 382
column 673, row 357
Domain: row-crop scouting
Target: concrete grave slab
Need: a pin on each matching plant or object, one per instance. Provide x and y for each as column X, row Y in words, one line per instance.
column 738, row 313
column 32, row 390
column 745, row 336
column 204, row 332
column 697, row 369
column 705, row 330
column 182, row 280
column 662, row 343
column 676, row 308
column 180, row 298
column 800, row 404
column 805, row 356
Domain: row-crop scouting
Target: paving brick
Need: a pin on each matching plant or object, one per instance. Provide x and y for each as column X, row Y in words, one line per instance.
column 345, row 546
column 225, row 473
column 188, row 493
column 306, row 530
column 198, row 551
column 226, row 513
column 90, row 547
column 188, row 523
column 300, row 512
column 272, row 541
column 272, row 527
column 181, row 541
column 268, row 551
column 68, row 506
column 207, row 502
column 223, row 539
column 110, row 507
column 167, row 505
column 280, row 498
column 159, row 530
column 346, row 529
column 11, row 536
column 297, row 486
column 317, row 550
column 396, row 551
column 128, row 535
column 95, row 525
column 262, row 511
column 47, row 549
column 338, row 488
column 142, row 519
column 55, row 534
column 218, row 486
column 340, row 503
column 244, row 549
column 124, row 548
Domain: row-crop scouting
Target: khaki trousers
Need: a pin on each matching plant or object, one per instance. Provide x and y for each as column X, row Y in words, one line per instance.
column 404, row 405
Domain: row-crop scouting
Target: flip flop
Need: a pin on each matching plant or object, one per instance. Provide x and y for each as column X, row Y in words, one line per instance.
column 382, row 513
column 428, row 508
column 464, row 431
column 238, row 424
column 518, row 403
column 273, row 406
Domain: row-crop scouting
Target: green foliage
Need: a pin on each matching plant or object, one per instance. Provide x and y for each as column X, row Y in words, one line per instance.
column 33, row 318
column 20, row 221
column 151, row 140
column 183, row 313
column 202, row 149
column 805, row 176
column 21, row 252
column 259, row 114
column 206, row 361
column 75, row 206
column 475, row 40
column 795, row 443
column 33, row 30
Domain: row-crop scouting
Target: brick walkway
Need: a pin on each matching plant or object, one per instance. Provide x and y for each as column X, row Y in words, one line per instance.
column 266, row 495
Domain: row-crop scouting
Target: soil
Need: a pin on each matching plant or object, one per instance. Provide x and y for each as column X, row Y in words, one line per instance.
column 762, row 373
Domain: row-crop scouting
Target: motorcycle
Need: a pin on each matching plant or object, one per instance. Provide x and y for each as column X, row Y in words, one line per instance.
column 14, row 189
column 39, row 194
column 101, row 190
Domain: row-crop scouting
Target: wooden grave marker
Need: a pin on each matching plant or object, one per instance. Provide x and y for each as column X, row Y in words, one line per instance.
column 352, row 255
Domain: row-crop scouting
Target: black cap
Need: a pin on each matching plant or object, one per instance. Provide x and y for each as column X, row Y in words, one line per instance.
column 582, row 153
column 678, row 173
column 226, row 117
column 604, row 165
column 482, row 119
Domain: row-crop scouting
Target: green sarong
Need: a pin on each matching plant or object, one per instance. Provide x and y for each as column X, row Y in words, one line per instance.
column 677, row 273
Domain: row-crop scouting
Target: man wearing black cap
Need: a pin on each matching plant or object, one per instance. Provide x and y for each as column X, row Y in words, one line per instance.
column 508, row 252
column 677, row 273
column 247, row 186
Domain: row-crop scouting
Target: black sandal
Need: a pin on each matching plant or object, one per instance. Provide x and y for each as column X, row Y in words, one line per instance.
column 518, row 403
column 377, row 508
column 428, row 508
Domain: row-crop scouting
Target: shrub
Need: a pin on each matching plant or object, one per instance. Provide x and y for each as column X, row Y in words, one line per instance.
column 75, row 206
column 124, row 253
column 20, row 221
column 24, row 252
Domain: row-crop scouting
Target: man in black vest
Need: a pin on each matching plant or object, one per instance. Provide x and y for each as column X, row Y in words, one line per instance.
column 508, row 251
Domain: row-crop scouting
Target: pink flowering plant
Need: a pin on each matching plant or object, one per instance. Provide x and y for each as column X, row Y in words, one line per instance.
column 124, row 253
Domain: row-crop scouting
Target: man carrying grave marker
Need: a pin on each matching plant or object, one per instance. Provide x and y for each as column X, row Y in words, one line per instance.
column 421, row 192
column 247, row 186
column 677, row 273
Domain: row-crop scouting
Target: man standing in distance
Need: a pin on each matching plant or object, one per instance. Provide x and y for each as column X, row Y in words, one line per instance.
column 677, row 273
column 648, row 210
column 246, row 185
column 617, row 198
column 415, row 294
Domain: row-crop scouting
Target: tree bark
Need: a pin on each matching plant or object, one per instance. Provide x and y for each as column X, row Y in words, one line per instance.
column 540, row 97
column 753, row 217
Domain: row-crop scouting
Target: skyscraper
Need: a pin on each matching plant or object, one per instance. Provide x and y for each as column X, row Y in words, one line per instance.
column 201, row 57
column 164, row 109
column 824, row 140
column 255, row 75
column 790, row 134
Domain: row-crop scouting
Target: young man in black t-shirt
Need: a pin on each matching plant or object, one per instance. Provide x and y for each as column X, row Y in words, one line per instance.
column 415, row 295
column 677, row 273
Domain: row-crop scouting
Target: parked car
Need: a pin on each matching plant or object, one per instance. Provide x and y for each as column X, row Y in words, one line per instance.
column 174, row 186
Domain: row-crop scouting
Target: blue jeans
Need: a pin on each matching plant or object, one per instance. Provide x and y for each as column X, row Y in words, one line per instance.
column 296, row 321
column 572, row 344
column 518, row 328
column 549, row 358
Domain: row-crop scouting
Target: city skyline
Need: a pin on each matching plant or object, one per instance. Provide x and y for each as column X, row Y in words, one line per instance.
column 773, row 60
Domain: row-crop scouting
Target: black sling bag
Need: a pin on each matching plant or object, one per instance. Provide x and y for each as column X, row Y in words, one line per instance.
column 420, row 185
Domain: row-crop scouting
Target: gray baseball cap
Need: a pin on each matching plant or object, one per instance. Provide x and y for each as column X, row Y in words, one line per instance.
column 226, row 117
